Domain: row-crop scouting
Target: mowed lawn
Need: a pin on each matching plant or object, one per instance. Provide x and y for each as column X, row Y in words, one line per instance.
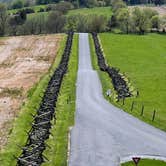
column 143, row 60
column 146, row 163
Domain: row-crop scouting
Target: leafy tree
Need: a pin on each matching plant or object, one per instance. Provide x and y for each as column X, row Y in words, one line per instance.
column 16, row 20
column 163, row 23
column 141, row 23
column 3, row 19
column 117, row 4
column 82, row 23
column 55, row 22
column 71, row 24
column 17, row 4
column 150, row 12
column 155, row 21
column 123, row 19
column 63, row 7
column 97, row 23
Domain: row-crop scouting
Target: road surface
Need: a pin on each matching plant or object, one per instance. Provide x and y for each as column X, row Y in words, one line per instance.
column 103, row 134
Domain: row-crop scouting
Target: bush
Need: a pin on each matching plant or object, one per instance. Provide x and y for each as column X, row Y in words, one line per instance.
column 28, row 10
column 50, row 7
column 97, row 23
column 17, row 4
column 55, row 22
column 63, row 7
column 41, row 10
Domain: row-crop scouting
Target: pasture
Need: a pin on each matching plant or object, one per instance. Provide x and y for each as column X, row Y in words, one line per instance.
column 105, row 11
column 142, row 59
column 146, row 162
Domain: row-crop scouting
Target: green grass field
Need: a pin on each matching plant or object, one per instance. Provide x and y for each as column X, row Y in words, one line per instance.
column 106, row 11
column 143, row 60
column 35, row 8
column 18, row 135
column 146, row 163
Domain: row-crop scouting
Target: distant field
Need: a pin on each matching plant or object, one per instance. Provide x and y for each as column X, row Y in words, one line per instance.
column 143, row 60
column 35, row 8
column 106, row 11
column 146, row 163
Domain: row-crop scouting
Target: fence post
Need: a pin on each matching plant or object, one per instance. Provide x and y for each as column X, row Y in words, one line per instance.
column 132, row 106
column 142, row 111
column 123, row 100
column 154, row 114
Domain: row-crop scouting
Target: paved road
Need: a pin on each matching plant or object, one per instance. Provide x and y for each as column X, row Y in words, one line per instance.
column 103, row 134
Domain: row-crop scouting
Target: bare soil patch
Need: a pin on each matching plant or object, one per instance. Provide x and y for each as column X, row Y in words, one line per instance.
column 23, row 60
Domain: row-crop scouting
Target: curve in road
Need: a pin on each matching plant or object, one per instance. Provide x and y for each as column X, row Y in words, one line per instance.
column 103, row 135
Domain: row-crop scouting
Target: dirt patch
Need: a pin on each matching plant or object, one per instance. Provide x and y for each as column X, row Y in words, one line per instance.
column 23, row 60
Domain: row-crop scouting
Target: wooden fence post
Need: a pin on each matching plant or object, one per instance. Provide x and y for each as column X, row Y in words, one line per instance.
column 142, row 110
column 132, row 106
column 123, row 100
column 154, row 114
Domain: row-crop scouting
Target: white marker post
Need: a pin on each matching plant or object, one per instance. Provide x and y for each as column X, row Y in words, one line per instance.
column 108, row 93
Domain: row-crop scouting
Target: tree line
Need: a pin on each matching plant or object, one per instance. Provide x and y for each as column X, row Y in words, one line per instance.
column 123, row 20
column 80, row 3
column 136, row 20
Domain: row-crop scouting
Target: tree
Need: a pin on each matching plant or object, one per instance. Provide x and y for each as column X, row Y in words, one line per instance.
column 16, row 20
column 63, row 7
column 150, row 12
column 55, row 22
column 71, row 24
column 82, row 22
column 155, row 21
column 30, row 26
column 117, row 4
column 3, row 19
column 141, row 23
column 91, row 3
column 17, row 4
column 123, row 19
column 163, row 23
column 97, row 23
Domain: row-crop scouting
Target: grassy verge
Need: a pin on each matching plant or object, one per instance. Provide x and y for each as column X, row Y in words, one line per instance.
column 58, row 141
column 143, row 60
column 23, row 122
column 146, row 162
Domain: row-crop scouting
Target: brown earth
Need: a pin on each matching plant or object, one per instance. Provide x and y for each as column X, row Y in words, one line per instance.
column 23, row 60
